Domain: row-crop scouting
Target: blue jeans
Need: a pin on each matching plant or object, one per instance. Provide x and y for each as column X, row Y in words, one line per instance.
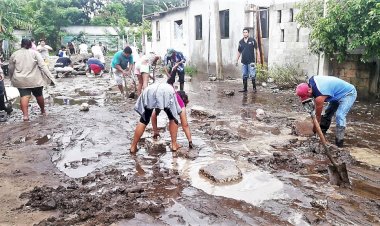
column 248, row 71
column 341, row 107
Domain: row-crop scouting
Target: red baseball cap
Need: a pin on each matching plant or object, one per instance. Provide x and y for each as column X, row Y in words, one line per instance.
column 302, row 91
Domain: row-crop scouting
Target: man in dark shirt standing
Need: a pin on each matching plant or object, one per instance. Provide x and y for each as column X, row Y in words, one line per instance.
column 247, row 47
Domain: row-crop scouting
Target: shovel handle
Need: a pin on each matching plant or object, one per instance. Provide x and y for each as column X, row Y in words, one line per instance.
column 323, row 140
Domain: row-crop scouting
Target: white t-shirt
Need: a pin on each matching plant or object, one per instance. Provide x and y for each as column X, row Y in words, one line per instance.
column 83, row 48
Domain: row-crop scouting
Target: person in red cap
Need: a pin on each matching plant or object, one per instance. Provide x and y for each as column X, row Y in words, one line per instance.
column 340, row 95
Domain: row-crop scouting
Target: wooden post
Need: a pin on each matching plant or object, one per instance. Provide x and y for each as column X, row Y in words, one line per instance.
column 260, row 49
column 218, row 42
column 209, row 40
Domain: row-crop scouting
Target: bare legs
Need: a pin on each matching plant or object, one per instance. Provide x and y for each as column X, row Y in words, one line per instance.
column 121, row 89
column 186, row 127
column 140, row 128
column 143, row 82
column 24, row 102
column 154, row 125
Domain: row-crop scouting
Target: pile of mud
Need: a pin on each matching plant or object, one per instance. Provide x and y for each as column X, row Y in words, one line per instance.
column 102, row 197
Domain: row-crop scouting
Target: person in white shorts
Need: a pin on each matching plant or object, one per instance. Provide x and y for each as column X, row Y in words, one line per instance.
column 121, row 66
column 142, row 70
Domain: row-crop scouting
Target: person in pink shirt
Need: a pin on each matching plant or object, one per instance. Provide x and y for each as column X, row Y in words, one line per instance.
column 34, row 47
column 183, row 100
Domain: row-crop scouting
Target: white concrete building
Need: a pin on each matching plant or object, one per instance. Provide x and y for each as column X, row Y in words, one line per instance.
column 191, row 29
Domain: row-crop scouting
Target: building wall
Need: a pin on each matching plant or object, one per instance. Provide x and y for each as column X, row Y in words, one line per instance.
column 357, row 73
column 289, row 51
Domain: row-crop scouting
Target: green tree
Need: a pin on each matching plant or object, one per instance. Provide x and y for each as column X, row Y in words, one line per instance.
column 348, row 25
column 11, row 17
column 48, row 16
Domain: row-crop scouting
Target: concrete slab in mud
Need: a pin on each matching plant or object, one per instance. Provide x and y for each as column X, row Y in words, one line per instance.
column 222, row 172
column 199, row 111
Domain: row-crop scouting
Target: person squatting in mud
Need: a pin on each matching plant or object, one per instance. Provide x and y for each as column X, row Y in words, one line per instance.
column 121, row 66
column 29, row 73
column 340, row 95
column 246, row 49
column 157, row 97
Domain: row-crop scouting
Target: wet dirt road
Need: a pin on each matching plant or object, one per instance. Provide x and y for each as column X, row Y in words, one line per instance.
column 74, row 168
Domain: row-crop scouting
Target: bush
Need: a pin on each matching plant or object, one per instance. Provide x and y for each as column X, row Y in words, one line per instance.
column 190, row 70
column 262, row 73
column 285, row 76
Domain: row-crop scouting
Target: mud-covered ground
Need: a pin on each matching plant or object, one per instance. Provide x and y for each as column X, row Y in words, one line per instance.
column 74, row 168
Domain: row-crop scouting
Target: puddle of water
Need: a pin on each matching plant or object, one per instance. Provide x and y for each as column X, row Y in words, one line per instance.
column 366, row 155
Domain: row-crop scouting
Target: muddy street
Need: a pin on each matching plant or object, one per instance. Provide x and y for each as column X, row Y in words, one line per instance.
column 73, row 167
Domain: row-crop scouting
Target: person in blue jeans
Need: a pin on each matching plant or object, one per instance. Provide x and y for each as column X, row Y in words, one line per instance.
column 246, row 49
column 172, row 58
column 340, row 95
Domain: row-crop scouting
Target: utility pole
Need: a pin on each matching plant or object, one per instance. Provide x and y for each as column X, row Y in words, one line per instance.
column 218, row 42
column 323, row 61
column 142, row 32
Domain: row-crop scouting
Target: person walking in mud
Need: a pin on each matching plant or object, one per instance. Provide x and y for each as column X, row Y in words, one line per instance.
column 340, row 95
column 157, row 97
column 246, row 49
column 172, row 58
column 121, row 66
column 29, row 74
column 44, row 49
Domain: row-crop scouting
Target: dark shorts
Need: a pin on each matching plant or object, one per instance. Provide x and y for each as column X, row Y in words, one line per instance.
column 148, row 113
column 37, row 91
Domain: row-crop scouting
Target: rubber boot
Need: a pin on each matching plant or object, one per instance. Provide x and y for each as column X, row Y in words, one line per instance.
column 245, row 86
column 181, row 86
column 254, row 85
column 325, row 124
column 339, row 136
column 2, row 103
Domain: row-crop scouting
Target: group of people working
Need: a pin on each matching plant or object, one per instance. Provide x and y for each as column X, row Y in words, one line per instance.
column 156, row 97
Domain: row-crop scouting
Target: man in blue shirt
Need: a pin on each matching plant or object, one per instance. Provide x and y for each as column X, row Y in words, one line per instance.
column 171, row 59
column 121, row 66
column 340, row 95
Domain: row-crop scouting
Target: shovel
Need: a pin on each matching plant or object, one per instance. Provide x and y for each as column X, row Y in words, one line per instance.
column 8, row 103
column 337, row 173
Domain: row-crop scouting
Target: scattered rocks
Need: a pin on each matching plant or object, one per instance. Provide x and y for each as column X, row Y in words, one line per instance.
column 84, row 107
column 303, row 128
column 222, row 172
column 319, row 204
column 260, row 114
column 199, row 111
column 155, row 145
column 222, row 134
column 264, row 84
column 229, row 92
column 212, row 78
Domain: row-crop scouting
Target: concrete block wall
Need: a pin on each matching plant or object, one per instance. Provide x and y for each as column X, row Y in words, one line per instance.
column 293, row 49
column 355, row 72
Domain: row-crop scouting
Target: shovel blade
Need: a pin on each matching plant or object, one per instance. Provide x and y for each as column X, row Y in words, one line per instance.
column 338, row 175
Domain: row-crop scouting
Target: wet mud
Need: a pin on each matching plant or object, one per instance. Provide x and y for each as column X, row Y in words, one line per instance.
column 91, row 179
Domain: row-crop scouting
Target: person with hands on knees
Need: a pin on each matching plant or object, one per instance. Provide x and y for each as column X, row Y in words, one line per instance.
column 121, row 66
column 340, row 96
column 157, row 97
column 183, row 100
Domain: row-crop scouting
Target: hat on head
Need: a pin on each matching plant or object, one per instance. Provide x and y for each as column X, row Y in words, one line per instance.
column 170, row 51
column 302, row 91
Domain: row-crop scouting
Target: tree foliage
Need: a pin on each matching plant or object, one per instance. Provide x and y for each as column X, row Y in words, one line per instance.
column 11, row 17
column 349, row 25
